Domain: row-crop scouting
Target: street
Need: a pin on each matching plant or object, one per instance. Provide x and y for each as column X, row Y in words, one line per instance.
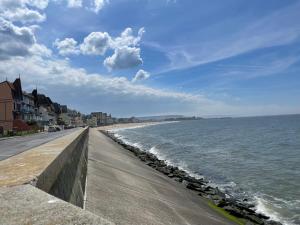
column 16, row 145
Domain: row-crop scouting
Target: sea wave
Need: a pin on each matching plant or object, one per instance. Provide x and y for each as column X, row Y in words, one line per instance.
column 267, row 207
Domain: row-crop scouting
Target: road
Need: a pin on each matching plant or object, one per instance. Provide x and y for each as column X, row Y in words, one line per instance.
column 16, row 145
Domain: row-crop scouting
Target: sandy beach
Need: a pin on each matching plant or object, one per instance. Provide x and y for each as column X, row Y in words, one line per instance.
column 128, row 125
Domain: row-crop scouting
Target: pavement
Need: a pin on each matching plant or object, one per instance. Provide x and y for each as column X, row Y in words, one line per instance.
column 123, row 190
column 44, row 162
column 12, row 146
column 27, row 205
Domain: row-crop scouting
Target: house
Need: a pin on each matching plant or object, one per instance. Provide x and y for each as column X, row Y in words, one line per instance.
column 92, row 121
column 29, row 109
column 46, row 108
column 11, row 97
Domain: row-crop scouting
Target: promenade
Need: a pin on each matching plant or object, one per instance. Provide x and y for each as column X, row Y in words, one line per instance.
column 123, row 190
column 15, row 145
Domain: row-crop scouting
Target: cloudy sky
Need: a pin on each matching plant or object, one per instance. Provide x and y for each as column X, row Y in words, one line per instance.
column 152, row 57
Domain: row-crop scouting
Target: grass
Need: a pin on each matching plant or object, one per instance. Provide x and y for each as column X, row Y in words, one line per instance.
column 226, row 214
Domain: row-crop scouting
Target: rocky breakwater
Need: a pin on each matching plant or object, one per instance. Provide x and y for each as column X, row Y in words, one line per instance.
column 201, row 187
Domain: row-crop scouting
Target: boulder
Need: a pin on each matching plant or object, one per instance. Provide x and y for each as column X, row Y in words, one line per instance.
column 193, row 186
column 255, row 219
column 272, row 222
column 234, row 211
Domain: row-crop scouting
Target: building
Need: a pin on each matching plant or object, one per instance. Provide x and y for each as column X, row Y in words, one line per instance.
column 103, row 118
column 22, row 111
column 46, row 108
column 11, row 97
column 92, row 121
column 29, row 109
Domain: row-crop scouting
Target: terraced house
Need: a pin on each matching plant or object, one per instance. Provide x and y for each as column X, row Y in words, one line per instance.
column 11, row 98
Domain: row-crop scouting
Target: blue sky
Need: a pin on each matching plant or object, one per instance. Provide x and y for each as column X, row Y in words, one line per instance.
column 142, row 57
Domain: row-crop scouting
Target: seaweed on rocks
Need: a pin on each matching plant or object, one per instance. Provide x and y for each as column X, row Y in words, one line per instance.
column 200, row 186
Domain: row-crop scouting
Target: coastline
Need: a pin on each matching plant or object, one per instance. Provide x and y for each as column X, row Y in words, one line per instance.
column 239, row 209
column 128, row 126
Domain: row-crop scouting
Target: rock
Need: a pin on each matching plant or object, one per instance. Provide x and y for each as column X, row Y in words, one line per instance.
column 219, row 193
column 272, row 222
column 234, row 211
column 263, row 216
column 179, row 173
column 222, row 203
column 163, row 170
column 217, row 199
column 245, row 207
column 249, row 223
column 255, row 219
column 178, row 179
column 194, row 186
column 143, row 157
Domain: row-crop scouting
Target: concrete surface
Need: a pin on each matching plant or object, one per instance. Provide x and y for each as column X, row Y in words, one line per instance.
column 67, row 174
column 29, row 165
column 16, row 145
column 27, row 205
column 124, row 190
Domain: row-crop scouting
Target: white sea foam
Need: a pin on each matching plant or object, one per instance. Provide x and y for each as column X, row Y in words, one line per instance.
column 267, row 208
column 181, row 165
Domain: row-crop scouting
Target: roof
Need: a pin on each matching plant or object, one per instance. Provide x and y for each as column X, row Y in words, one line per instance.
column 16, row 87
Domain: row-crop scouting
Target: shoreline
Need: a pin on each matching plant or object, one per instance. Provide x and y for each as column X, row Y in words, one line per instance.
column 239, row 209
column 122, row 126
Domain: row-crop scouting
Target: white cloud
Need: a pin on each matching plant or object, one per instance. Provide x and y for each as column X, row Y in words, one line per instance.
column 41, row 4
column 40, row 50
column 13, row 4
column 96, row 43
column 141, row 75
column 24, row 15
column 74, row 3
column 19, row 11
column 97, row 5
column 126, row 48
column 128, row 39
column 68, row 46
column 123, row 58
column 14, row 40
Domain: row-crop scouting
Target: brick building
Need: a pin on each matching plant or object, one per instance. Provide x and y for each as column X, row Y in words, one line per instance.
column 11, row 98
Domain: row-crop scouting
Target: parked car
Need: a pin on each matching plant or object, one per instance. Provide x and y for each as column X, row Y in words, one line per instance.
column 52, row 129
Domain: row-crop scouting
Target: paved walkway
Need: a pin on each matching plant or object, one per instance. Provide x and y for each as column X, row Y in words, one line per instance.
column 16, row 145
column 124, row 190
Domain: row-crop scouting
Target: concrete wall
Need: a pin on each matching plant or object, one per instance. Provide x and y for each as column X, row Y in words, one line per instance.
column 65, row 177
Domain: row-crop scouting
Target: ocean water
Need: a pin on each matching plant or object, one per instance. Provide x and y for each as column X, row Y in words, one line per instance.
column 257, row 158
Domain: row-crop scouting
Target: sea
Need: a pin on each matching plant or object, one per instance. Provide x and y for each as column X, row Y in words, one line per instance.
column 253, row 158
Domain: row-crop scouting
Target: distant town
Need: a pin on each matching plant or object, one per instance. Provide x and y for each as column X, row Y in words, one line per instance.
column 25, row 112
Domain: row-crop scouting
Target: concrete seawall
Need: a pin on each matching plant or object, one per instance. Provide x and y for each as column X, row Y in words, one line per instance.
column 65, row 177
column 34, row 183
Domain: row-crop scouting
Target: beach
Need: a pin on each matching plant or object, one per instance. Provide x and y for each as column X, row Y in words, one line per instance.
column 128, row 125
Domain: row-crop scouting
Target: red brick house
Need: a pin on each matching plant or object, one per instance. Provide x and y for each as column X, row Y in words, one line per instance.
column 10, row 104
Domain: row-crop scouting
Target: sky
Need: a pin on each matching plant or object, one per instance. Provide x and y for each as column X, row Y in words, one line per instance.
column 156, row 57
